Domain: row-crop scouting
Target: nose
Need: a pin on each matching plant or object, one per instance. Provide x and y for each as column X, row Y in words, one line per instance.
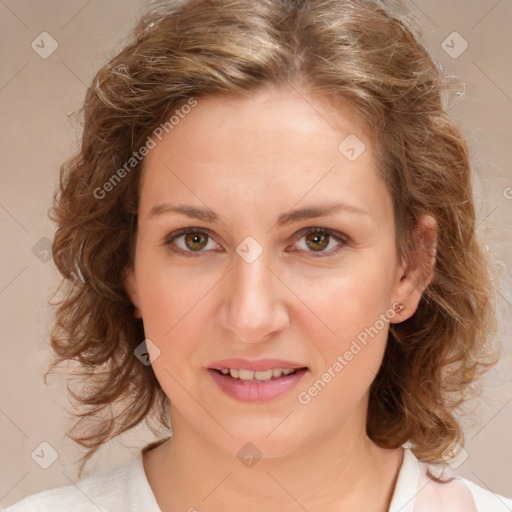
column 254, row 308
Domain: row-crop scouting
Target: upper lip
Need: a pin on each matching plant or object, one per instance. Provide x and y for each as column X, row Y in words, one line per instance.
column 257, row 365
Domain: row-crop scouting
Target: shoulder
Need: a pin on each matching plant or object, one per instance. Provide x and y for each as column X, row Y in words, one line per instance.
column 455, row 493
column 418, row 491
column 486, row 500
column 106, row 490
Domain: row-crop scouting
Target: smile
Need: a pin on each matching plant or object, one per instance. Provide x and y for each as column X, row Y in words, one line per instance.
column 251, row 375
column 248, row 385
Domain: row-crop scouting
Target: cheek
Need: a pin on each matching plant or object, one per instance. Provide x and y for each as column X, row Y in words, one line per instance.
column 172, row 321
column 349, row 343
column 344, row 304
column 349, row 332
column 166, row 317
column 169, row 295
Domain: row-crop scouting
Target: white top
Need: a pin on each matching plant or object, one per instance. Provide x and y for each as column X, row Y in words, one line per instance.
column 126, row 488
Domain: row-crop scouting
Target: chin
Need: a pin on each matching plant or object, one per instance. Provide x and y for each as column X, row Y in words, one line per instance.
column 267, row 437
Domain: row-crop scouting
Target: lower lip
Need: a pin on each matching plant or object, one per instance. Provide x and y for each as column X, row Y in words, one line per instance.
column 256, row 391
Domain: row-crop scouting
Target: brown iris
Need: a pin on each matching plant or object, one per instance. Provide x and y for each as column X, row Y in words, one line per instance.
column 318, row 239
column 196, row 241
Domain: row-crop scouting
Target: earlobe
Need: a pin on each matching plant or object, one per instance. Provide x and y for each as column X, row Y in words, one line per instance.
column 130, row 285
column 418, row 272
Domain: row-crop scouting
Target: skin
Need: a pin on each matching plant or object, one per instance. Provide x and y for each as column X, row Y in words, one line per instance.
column 250, row 160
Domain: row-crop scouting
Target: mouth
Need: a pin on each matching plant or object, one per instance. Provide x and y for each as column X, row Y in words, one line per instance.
column 258, row 376
column 266, row 380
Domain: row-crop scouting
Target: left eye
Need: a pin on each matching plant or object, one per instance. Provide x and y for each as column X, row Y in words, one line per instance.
column 316, row 240
column 321, row 239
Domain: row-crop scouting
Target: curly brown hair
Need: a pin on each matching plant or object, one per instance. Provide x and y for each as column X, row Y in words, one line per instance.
column 353, row 51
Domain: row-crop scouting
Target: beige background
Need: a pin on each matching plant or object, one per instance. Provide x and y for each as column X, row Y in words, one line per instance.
column 36, row 96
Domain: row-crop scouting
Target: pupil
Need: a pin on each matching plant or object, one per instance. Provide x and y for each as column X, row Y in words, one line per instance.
column 319, row 239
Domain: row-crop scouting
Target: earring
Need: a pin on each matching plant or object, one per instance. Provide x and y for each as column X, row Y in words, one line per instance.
column 398, row 307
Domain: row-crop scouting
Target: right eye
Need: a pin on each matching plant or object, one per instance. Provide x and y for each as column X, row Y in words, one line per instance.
column 187, row 241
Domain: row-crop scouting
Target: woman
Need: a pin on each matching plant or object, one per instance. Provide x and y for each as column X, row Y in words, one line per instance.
column 269, row 238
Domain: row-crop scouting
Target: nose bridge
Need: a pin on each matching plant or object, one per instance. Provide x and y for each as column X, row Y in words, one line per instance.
column 254, row 305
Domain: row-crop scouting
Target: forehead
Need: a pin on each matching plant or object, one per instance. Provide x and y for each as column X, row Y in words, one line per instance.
column 278, row 145
column 270, row 120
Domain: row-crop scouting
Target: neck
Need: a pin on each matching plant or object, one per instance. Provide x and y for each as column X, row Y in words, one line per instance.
column 345, row 470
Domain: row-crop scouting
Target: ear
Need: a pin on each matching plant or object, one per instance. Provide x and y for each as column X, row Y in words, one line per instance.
column 417, row 273
column 130, row 285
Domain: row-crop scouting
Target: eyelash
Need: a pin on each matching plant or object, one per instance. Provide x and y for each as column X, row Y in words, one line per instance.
column 303, row 233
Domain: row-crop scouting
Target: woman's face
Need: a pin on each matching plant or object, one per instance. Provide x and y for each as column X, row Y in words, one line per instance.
column 291, row 265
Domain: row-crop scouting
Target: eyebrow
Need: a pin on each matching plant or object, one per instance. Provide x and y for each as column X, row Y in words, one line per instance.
column 207, row 215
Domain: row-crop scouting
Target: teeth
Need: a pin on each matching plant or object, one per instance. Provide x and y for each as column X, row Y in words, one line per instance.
column 257, row 376
column 267, row 375
column 243, row 374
